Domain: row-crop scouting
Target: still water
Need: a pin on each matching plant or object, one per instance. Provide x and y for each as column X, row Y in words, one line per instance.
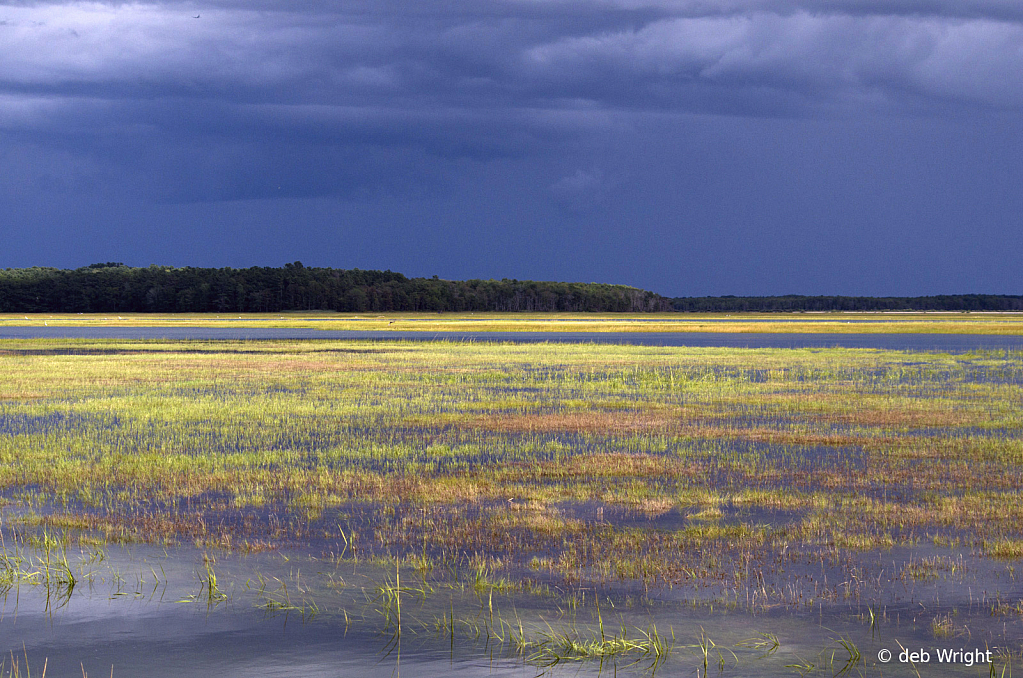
column 957, row 343
column 144, row 611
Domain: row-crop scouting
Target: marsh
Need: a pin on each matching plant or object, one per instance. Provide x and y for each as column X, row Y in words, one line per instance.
column 519, row 507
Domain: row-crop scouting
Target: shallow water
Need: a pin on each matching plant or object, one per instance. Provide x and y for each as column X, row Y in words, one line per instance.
column 956, row 343
column 809, row 593
column 160, row 624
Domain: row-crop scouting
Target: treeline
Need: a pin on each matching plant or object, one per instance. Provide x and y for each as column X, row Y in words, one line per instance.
column 793, row 302
column 116, row 288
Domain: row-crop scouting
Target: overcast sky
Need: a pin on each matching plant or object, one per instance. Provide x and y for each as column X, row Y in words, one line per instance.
column 689, row 147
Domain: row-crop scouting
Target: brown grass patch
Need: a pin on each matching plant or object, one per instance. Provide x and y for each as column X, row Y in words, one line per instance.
column 908, row 418
column 700, row 425
column 615, row 464
column 579, row 422
column 768, row 435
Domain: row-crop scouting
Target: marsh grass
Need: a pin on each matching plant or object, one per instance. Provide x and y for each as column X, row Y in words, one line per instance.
column 211, row 590
column 554, row 647
column 14, row 666
column 725, row 475
column 943, row 626
column 971, row 323
column 765, row 643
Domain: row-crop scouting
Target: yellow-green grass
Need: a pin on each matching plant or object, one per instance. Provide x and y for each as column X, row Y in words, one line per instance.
column 840, row 323
column 512, row 452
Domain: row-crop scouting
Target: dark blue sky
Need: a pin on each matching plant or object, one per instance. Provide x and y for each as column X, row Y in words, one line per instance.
column 689, row 147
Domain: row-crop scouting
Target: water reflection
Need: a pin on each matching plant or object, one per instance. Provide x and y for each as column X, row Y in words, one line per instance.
column 146, row 611
column 957, row 343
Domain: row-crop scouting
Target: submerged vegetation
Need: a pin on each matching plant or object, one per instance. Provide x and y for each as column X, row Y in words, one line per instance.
column 551, row 477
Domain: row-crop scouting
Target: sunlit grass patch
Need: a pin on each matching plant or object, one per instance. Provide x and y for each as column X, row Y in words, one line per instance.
column 577, row 463
column 1005, row 548
column 929, row 568
column 710, row 513
column 540, row 520
column 609, row 422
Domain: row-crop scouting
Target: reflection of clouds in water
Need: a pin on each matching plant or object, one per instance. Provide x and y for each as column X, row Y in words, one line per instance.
column 154, row 636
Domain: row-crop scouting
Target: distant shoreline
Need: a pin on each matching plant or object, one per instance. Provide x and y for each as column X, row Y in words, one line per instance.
column 116, row 288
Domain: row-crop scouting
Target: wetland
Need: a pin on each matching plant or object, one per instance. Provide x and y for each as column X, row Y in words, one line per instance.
column 325, row 506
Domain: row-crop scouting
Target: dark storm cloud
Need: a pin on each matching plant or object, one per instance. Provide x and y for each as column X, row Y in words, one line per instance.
column 257, row 98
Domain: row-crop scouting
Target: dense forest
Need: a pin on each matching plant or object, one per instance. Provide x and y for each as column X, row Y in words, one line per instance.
column 116, row 288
